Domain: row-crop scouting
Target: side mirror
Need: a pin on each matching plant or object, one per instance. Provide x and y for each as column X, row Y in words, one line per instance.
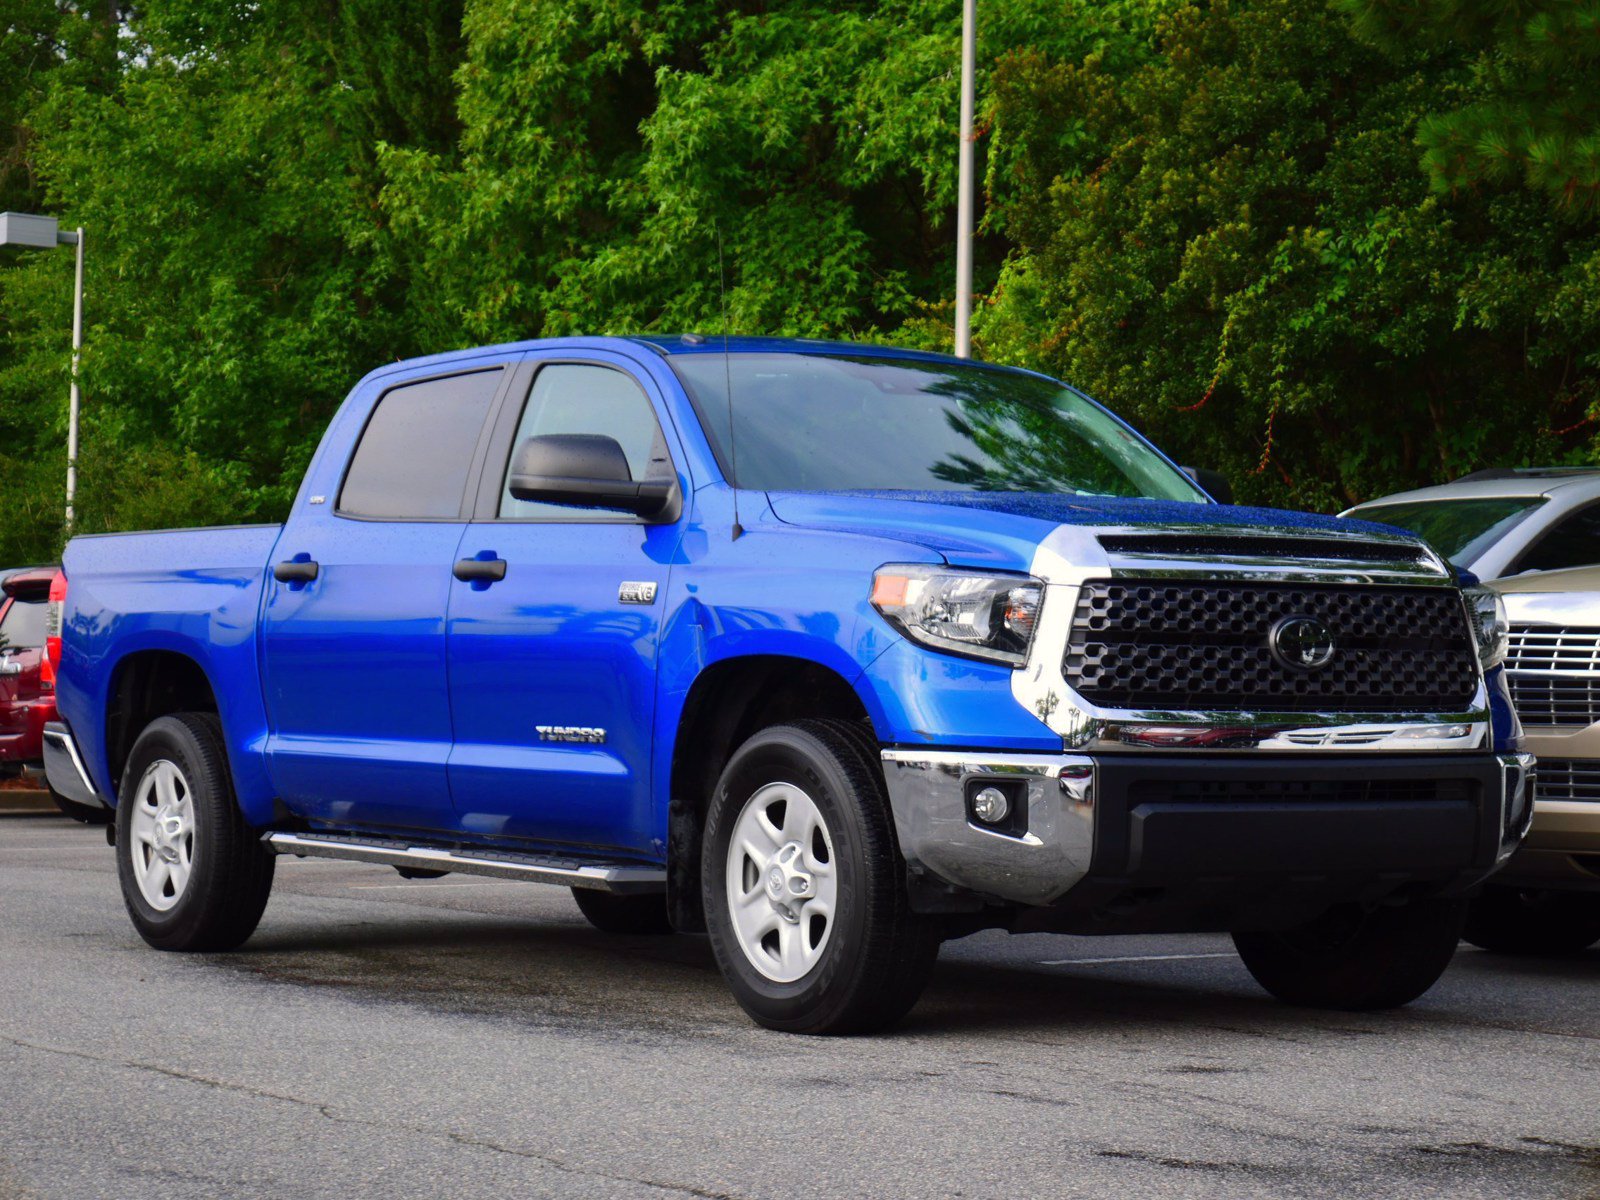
column 1214, row 483
column 588, row 470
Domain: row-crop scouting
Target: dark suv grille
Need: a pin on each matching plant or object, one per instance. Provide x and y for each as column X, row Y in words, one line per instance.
column 1176, row 644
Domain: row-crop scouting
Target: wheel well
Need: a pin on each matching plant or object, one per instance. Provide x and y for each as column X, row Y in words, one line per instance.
column 147, row 685
column 730, row 701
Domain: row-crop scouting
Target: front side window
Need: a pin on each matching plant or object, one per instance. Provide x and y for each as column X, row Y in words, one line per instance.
column 581, row 398
column 416, row 452
column 1571, row 542
column 1460, row 530
column 815, row 422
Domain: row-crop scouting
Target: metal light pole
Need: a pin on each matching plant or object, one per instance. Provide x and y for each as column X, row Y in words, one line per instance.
column 969, row 55
column 25, row 229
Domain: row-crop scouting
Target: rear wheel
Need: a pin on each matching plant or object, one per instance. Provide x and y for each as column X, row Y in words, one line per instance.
column 194, row 875
column 804, row 886
column 1510, row 920
column 1357, row 959
column 611, row 913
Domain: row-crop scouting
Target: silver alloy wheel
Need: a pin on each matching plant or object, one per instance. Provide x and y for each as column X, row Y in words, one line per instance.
column 162, row 829
column 781, row 883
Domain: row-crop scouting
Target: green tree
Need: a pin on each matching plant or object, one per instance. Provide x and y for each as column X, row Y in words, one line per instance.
column 1235, row 246
column 225, row 165
column 1533, row 114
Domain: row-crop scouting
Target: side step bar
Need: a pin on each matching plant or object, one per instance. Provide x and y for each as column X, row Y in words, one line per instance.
column 603, row 877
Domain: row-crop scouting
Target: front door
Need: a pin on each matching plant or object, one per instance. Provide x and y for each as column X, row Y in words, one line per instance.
column 552, row 666
column 353, row 633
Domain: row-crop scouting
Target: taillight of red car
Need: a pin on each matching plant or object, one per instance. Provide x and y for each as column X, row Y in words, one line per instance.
column 54, row 609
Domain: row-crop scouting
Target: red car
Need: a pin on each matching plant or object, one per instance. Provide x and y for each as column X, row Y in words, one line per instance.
column 27, row 701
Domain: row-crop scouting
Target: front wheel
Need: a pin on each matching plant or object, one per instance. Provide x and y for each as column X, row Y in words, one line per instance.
column 1357, row 959
column 1508, row 920
column 194, row 875
column 804, row 886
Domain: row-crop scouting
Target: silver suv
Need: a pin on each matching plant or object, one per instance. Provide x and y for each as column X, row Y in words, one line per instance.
column 1503, row 522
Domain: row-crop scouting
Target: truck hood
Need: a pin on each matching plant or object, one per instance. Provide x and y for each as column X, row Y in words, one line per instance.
column 1002, row 529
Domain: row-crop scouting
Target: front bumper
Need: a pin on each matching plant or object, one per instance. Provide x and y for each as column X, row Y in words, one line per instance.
column 64, row 766
column 1202, row 830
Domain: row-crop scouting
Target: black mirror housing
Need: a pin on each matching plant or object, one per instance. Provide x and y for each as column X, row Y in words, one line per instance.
column 587, row 470
column 1214, row 483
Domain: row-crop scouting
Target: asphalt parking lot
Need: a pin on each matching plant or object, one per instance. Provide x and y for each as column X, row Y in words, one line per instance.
column 476, row 1038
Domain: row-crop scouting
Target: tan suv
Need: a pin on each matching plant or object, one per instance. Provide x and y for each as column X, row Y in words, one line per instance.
column 1547, row 899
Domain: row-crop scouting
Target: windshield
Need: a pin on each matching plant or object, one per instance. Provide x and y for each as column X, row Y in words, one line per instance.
column 1460, row 530
column 814, row 423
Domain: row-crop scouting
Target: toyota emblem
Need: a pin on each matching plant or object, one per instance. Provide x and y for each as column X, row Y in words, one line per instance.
column 1302, row 643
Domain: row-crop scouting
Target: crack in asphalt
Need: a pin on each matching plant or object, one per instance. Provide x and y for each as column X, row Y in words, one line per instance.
column 1180, row 1164
column 329, row 1112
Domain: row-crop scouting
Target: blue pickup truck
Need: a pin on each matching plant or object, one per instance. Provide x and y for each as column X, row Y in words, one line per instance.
column 832, row 652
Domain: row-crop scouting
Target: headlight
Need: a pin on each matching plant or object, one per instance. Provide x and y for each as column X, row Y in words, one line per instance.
column 963, row 612
column 1489, row 624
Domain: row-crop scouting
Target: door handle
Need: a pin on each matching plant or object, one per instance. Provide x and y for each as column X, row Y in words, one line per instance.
column 295, row 570
column 480, row 570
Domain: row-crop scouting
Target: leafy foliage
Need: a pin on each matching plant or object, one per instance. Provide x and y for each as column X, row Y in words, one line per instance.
column 1236, row 246
column 1210, row 216
column 1534, row 112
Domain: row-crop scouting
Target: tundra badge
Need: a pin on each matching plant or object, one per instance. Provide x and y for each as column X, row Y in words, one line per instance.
column 570, row 733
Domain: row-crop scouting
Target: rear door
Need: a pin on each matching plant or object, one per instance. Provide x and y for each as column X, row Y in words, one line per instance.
column 353, row 626
column 552, row 667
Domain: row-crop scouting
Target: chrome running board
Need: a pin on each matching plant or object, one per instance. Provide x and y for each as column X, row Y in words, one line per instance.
column 534, row 868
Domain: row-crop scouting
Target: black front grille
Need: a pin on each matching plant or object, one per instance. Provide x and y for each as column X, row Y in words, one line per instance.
column 1567, row 779
column 1177, row 644
column 1554, row 700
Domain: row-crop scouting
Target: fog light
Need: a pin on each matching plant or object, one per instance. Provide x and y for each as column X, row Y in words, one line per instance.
column 991, row 806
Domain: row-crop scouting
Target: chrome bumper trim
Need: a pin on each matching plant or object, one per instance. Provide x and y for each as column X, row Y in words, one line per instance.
column 1517, row 801
column 64, row 768
column 927, row 792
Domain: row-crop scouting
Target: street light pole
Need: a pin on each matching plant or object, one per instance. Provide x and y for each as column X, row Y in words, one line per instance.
column 75, row 400
column 27, row 229
column 969, row 55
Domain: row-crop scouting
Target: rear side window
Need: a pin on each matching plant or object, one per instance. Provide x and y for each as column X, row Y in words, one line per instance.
column 22, row 628
column 1572, row 542
column 415, row 454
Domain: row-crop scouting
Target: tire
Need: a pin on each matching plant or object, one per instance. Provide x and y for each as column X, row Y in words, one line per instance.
column 177, row 807
column 86, row 814
column 850, row 956
column 610, row 913
column 1354, row 959
column 1510, row 920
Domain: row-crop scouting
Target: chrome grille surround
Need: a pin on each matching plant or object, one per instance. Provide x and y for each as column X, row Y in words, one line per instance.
column 1073, row 556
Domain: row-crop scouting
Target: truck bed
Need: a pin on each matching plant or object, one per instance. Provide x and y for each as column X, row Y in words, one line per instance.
column 192, row 592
